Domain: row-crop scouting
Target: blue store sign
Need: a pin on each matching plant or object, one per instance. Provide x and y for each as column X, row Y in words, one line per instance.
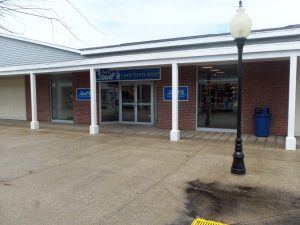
column 183, row 93
column 105, row 75
column 83, row 94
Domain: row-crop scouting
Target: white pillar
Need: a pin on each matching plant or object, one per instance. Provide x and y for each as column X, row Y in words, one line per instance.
column 34, row 125
column 290, row 143
column 94, row 128
column 175, row 133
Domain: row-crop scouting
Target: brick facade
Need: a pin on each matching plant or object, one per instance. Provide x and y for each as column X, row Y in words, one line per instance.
column 266, row 84
column 43, row 85
column 187, row 110
column 81, row 109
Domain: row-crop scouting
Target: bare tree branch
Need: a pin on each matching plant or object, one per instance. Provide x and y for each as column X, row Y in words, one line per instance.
column 84, row 17
column 13, row 8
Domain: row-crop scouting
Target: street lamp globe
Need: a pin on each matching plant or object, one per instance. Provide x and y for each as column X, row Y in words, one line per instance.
column 241, row 24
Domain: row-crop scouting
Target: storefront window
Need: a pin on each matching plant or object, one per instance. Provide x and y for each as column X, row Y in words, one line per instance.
column 217, row 97
column 62, row 97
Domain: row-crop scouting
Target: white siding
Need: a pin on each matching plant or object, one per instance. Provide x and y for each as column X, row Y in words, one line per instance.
column 12, row 98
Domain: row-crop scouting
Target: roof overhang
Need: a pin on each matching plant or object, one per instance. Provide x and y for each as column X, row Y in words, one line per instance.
column 194, row 56
column 188, row 41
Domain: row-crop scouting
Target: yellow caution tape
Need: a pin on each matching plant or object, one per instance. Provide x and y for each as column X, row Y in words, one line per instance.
column 200, row 221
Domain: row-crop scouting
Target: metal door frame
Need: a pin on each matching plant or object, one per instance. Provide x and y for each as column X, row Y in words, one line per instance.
column 135, row 84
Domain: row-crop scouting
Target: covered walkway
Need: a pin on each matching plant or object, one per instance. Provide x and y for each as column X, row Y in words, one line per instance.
column 270, row 143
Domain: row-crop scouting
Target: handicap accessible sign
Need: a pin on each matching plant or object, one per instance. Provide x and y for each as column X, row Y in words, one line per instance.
column 106, row 75
column 83, row 94
column 183, row 93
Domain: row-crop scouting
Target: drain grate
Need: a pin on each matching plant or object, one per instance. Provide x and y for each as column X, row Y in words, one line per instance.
column 200, row 221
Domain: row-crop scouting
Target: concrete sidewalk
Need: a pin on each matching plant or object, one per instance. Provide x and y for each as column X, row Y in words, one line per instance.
column 61, row 176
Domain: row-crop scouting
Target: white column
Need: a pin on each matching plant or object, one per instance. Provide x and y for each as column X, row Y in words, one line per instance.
column 175, row 133
column 94, row 128
column 290, row 143
column 34, row 125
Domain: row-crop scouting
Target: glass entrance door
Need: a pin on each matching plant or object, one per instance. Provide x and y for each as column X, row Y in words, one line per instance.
column 136, row 103
column 144, row 96
column 128, row 103
column 109, row 102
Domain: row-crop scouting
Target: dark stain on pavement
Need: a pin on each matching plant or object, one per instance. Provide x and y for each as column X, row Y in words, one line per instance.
column 252, row 205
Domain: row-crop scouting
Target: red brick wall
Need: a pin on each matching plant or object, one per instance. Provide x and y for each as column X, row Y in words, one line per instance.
column 81, row 109
column 187, row 110
column 266, row 84
column 43, row 84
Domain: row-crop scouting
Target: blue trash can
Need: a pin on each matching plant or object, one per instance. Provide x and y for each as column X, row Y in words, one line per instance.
column 262, row 119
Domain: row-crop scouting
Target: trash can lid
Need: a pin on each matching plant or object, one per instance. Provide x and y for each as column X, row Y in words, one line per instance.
column 262, row 110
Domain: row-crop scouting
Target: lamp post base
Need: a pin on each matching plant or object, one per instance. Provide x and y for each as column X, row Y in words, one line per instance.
column 238, row 164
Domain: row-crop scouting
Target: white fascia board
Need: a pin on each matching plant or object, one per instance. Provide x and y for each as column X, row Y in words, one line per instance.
column 41, row 43
column 281, row 50
column 150, row 63
column 192, row 41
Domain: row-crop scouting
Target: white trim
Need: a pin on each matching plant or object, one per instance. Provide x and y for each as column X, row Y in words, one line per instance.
column 291, row 140
column 221, row 130
column 262, row 51
column 94, row 128
column 41, row 43
column 34, row 125
column 187, row 41
column 175, row 133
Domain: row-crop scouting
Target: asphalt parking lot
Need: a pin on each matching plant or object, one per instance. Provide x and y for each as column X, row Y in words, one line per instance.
column 65, row 176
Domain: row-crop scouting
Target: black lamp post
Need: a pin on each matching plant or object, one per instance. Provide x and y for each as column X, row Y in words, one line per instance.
column 240, row 28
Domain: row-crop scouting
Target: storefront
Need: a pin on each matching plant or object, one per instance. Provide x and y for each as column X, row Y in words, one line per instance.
column 178, row 84
column 128, row 96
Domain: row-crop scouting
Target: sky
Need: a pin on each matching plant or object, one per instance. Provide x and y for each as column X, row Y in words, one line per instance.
column 107, row 22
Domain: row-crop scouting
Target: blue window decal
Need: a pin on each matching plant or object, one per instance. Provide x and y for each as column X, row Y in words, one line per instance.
column 183, row 93
column 83, row 94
